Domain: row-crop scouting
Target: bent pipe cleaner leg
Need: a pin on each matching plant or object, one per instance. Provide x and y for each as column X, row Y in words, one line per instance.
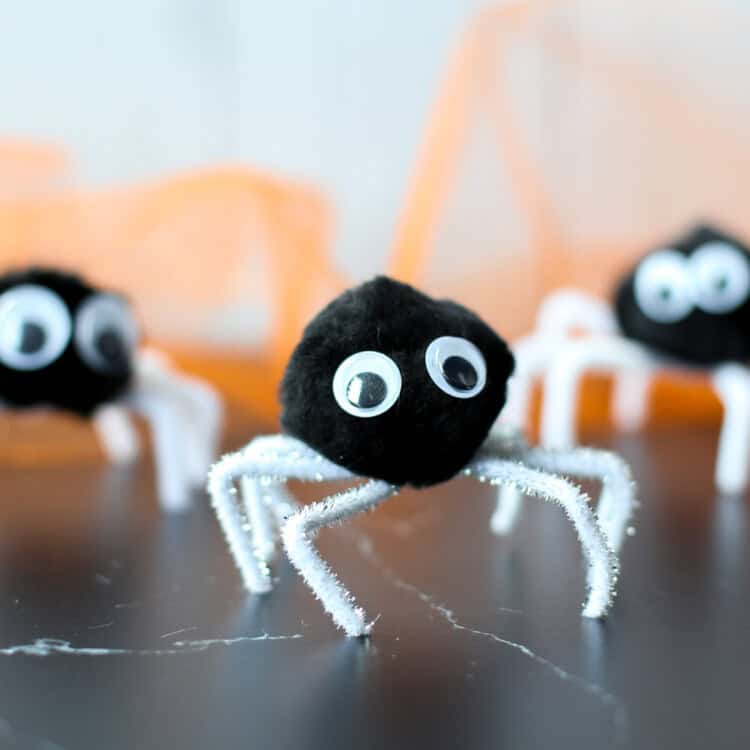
column 602, row 563
column 302, row 527
column 162, row 415
column 560, row 315
column 257, row 501
column 505, row 439
column 566, row 310
column 533, row 355
column 203, row 412
column 630, row 397
column 561, row 384
column 507, row 510
column 732, row 385
column 200, row 407
column 283, row 504
column 617, row 501
column 116, row 433
column 268, row 461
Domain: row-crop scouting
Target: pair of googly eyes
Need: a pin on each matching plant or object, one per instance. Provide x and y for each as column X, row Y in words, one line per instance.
column 368, row 383
column 715, row 278
column 36, row 327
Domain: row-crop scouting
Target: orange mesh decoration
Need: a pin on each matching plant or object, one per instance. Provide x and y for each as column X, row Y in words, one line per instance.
column 571, row 136
column 224, row 266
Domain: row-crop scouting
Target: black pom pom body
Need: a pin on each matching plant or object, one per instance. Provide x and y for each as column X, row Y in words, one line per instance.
column 431, row 425
column 690, row 299
column 88, row 369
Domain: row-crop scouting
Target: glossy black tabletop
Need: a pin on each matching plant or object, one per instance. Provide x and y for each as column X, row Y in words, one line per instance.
column 122, row 628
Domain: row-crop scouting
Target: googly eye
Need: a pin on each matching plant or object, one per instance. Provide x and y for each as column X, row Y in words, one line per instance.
column 106, row 333
column 367, row 384
column 456, row 366
column 662, row 287
column 721, row 277
column 35, row 327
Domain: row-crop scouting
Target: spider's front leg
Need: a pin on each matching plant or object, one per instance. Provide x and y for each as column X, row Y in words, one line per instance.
column 263, row 466
column 301, row 528
column 268, row 505
column 250, row 531
column 602, row 563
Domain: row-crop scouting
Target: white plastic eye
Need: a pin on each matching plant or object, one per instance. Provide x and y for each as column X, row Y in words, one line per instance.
column 721, row 277
column 367, row 384
column 106, row 333
column 456, row 366
column 662, row 287
column 35, row 327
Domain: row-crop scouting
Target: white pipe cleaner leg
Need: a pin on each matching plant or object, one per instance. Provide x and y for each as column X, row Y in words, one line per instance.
column 732, row 384
column 167, row 430
column 257, row 499
column 630, row 396
column 533, row 355
column 297, row 535
column 266, row 462
column 507, row 510
column 116, row 433
column 505, row 439
column 560, row 313
column 566, row 310
column 602, row 564
column 199, row 404
column 283, row 505
column 561, row 385
column 617, row 501
column 202, row 413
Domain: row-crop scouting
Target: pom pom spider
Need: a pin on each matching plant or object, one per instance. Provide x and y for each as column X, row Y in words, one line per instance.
column 68, row 345
column 684, row 306
column 392, row 387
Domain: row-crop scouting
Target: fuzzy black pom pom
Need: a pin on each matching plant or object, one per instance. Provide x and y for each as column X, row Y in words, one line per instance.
column 84, row 369
column 693, row 302
column 428, row 433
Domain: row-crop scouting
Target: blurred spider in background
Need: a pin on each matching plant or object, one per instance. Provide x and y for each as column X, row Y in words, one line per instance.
column 67, row 345
column 392, row 387
column 685, row 306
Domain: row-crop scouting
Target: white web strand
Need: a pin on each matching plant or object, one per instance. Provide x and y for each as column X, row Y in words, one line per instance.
column 50, row 646
column 366, row 549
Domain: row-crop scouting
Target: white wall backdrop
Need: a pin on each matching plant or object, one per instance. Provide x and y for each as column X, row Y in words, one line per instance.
column 336, row 92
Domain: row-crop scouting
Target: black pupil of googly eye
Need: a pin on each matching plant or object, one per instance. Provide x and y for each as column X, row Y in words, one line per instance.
column 32, row 337
column 459, row 373
column 665, row 294
column 366, row 390
column 109, row 344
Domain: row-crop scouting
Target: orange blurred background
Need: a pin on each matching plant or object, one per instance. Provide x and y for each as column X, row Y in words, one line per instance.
column 564, row 139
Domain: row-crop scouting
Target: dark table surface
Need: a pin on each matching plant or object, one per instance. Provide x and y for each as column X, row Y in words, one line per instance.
column 120, row 628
